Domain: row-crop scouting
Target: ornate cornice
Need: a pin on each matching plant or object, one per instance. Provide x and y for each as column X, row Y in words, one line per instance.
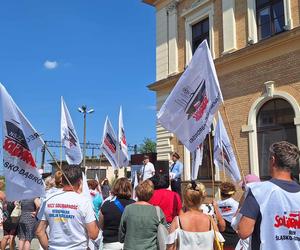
column 172, row 7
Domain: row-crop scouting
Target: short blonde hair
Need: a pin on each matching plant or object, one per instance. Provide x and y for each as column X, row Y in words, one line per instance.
column 202, row 188
column 49, row 182
column 122, row 188
column 193, row 195
column 144, row 190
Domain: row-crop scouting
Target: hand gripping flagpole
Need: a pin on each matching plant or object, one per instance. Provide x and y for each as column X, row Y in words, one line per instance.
column 234, row 144
column 57, row 164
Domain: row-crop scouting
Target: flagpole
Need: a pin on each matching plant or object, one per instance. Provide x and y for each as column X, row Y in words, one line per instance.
column 224, row 174
column 211, row 164
column 52, row 156
column 233, row 140
column 100, row 159
column 100, row 172
column 60, row 153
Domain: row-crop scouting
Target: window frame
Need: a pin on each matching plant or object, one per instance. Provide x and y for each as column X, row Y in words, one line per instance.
column 192, row 17
column 269, row 5
column 203, row 35
column 252, row 20
column 251, row 130
column 275, row 126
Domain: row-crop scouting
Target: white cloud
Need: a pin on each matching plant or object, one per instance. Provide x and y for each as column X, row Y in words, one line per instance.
column 50, row 64
column 151, row 107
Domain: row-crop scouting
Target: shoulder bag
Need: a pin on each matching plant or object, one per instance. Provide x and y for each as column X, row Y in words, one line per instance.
column 162, row 232
column 217, row 244
column 16, row 213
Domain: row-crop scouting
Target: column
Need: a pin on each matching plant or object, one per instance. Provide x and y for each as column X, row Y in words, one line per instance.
column 229, row 30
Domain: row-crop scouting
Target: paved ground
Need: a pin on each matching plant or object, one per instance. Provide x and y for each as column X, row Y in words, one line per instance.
column 34, row 244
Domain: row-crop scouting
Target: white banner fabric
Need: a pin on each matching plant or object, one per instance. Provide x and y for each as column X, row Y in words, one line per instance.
column 69, row 136
column 20, row 139
column 189, row 109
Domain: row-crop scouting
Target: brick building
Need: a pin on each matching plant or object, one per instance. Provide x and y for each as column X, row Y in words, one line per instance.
column 256, row 49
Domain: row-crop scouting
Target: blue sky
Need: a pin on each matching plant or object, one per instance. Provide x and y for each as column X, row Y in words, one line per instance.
column 98, row 53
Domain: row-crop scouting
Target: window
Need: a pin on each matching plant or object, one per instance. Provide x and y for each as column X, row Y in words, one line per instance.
column 91, row 173
column 275, row 122
column 200, row 32
column 198, row 26
column 270, row 17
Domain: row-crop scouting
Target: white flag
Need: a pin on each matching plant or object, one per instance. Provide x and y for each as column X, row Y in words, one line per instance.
column 93, row 244
column 189, row 109
column 123, row 154
column 20, row 139
column 136, row 183
column 223, row 152
column 109, row 145
column 85, row 188
column 69, row 137
column 99, row 185
column 197, row 158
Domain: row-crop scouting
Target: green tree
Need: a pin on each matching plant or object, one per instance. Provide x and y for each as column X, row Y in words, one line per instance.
column 148, row 146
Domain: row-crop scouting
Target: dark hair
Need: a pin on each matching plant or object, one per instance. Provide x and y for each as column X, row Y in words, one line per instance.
column 122, row 188
column 73, row 173
column 227, row 189
column 176, row 155
column 146, row 157
column 160, row 181
column 93, row 184
column 144, row 190
column 105, row 182
column 286, row 155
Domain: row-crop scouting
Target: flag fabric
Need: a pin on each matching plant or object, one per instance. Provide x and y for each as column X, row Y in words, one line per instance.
column 20, row 139
column 109, row 145
column 93, row 244
column 223, row 153
column 197, row 158
column 99, row 185
column 85, row 188
column 136, row 183
column 123, row 153
column 189, row 109
column 69, row 136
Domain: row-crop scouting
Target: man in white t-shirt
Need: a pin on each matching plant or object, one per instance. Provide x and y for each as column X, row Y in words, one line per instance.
column 148, row 169
column 69, row 214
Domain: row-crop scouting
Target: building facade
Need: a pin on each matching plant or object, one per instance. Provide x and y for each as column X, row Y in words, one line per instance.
column 256, row 49
column 99, row 167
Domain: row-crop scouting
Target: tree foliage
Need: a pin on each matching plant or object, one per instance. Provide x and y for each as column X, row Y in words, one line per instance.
column 148, row 146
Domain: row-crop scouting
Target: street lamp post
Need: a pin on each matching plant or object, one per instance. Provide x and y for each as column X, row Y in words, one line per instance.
column 84, row 111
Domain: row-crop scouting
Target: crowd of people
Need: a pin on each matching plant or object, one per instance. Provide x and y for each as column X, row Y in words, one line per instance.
column 157, row 217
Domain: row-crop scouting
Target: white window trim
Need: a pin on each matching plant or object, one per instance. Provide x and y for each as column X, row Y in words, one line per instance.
column 190, row 20
column 252, row 130
column 252, row 26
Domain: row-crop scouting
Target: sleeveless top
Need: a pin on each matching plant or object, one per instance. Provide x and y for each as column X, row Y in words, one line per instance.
column 27, row 206
column 280, row 210
column 193, row 240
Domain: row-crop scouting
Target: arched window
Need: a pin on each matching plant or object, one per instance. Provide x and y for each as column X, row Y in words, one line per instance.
column 275, row 122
